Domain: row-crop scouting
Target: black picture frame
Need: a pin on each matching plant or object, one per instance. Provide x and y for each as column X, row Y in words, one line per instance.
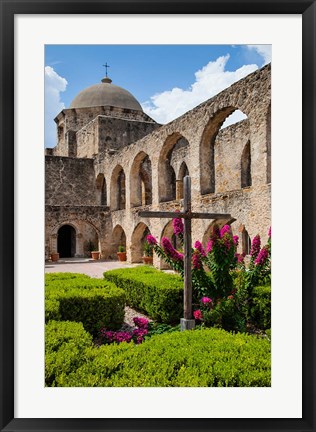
column 8, row 9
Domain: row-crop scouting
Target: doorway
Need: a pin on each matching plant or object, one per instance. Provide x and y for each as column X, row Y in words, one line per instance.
column 66, row 241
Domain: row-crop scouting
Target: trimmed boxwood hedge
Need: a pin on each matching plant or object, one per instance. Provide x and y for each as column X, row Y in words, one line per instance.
column 65, row 346
column 198, row 358
column 158, row 294
column 94, row 302
column 260, row 307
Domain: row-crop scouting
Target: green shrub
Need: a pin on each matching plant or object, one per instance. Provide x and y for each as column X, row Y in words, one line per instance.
column 260, row 307
column 52, row 311
column 94, row 302
column 52, row 277
column 65, row 345
column 199, row 358
column 158, row 294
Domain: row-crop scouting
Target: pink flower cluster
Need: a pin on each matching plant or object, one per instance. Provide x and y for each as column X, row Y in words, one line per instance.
column 209, row 246
column 224, row 230
column 118, row 337
column 262, row 256
column 255, row 247
column 137, row 334
column 206, row 300
column 198, row 315
column 196, row 260
column 151, row 240
column 235, row 238
column 170, row 250
column 141, row 323
column 178, row 227
column 198, row 245
column 240, row 257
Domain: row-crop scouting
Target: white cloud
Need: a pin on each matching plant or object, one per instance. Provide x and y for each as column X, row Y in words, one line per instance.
column 210, row 80
column 264, row 51
column 54, row 85
column 235, row 117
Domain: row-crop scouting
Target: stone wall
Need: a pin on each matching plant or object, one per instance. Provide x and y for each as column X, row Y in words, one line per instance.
column 69, row 181
column 218, row 161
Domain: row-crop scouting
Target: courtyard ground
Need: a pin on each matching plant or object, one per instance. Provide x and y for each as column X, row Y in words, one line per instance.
column 85, row 265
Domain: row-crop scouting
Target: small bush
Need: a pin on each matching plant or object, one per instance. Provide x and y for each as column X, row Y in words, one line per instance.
column 158, row 294
column 94, row 302
column 199, row 358
column 260, row 307
column 65, row 345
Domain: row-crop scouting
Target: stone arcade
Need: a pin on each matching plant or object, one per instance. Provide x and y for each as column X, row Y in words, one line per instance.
column 113, row 161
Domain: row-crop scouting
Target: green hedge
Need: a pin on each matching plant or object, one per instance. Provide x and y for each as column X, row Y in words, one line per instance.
column 199, row 358
column 158, row 294
column 260, row 307
column 94, row 302
column 65, row 346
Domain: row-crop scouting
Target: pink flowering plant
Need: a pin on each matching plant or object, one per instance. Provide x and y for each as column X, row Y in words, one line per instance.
column 136, row 335
column 220, row 281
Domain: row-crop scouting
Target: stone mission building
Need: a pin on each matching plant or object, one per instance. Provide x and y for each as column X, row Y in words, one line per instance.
column 112, row 160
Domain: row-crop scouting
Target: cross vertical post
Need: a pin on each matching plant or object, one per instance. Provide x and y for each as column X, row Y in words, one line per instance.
column 186, row 323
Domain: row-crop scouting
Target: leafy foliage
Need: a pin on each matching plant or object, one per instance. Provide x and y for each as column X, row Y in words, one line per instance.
column 94, row 302
column 199, row 358
column 148, row 290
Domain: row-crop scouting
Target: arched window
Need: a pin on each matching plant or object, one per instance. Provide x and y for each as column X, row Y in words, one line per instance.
column 246, row 166
column 246, row 242
column 182, row 173
column 214, row 166
column 174, row 150
column 118, row 189
column 141, row 181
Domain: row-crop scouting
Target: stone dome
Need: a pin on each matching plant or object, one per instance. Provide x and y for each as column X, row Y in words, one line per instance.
column 105, row 94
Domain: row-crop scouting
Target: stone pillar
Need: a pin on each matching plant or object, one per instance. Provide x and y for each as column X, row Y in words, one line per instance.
column 79, row 245
column 179, row 189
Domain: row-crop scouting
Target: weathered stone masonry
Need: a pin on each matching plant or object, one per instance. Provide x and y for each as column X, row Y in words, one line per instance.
column 110, row 162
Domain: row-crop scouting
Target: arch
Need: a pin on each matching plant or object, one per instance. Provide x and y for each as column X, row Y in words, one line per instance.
column 246, row 166
column 118, row 239
column 245, row 242
column 66, row 241
column 173, row 150
column 268, row 138
column 137, row 242
column 207, row 149
column 118, row 189
column 101, row 189
column 141, row 181
column 183, row 171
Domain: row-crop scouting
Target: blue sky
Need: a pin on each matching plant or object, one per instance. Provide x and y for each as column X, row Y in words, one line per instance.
column 167, row 80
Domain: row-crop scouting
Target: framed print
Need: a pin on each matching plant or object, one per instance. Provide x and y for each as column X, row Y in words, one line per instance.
column 37, row 38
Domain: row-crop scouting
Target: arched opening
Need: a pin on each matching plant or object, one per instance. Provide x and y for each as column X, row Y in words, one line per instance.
column 138, row 240
column 212, row 154
column 172, row 154
column 101, row 190
column 182, row 173
column 246, row 166
column 118, row 239
column 245, row 242
column 269, row 145
column 141, row 181
column 66, row 241
column 118, row 189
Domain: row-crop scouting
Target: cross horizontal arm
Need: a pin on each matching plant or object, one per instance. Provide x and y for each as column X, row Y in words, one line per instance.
column 173, row 215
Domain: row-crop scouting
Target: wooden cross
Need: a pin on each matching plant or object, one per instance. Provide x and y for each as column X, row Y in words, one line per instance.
column 106, row 69
column 187, row 322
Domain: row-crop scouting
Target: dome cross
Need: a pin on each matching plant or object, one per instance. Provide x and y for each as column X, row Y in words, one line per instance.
column 106, row 68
